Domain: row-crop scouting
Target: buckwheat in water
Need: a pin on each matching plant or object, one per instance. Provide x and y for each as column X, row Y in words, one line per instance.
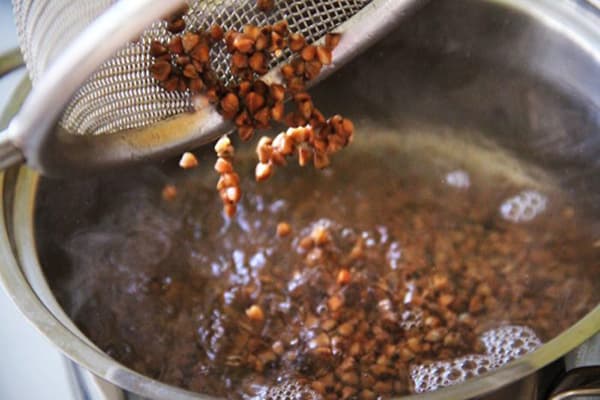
column 404, row 267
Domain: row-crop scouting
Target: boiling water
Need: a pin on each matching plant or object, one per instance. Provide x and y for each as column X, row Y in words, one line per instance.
column 469, row 259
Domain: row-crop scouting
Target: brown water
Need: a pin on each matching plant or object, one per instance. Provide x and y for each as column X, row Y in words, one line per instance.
column 449, row 262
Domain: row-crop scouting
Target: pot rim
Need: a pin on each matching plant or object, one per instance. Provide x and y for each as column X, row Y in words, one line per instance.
column 560, row 16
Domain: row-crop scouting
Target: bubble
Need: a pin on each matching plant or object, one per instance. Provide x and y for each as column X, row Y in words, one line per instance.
column 321, row 309
column 369, row 238
column 502, row 345
column 384, row 233
column 241, row 218
column 278, row 206
column 411, row 319
column 258, row 260
column 410, row 292
column 394, row 254
column 509, row 342
column 426, row 379
column 458, row 179
column 348, row 234
column 524, row 207
column 289, row 390
column 239, row 260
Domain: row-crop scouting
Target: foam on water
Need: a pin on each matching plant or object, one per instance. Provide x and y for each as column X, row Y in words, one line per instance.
column 291, row 390
column 458, row 179
column 524, row 207
column 502, row 345
column 287, row 389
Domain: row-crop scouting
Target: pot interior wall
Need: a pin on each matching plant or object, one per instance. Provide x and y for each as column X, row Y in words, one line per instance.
column 471, row 67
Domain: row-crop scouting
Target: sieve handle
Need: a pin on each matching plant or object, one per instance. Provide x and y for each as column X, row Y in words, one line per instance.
column 10, row 61
column 33, row 129
column 10, row 155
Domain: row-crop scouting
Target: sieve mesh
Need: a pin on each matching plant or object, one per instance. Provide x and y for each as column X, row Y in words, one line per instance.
column 122, row 94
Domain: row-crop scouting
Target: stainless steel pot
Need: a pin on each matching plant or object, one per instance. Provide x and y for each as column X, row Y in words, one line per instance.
column 524, row 73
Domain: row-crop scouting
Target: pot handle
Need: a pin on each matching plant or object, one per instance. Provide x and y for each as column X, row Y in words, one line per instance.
column 583, row 376
column 578, row 383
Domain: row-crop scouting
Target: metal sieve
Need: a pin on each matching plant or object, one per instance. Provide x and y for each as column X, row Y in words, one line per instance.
column 94, row 102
